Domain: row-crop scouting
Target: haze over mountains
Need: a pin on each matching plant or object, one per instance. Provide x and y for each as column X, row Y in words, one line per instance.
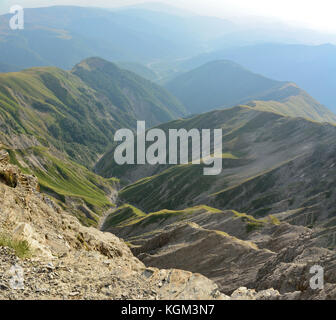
column 163, row 37
column 222, row 84
column 311, row 67
column 83, row 73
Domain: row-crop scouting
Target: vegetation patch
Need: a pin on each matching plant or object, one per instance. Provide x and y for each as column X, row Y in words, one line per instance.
column 20, row 247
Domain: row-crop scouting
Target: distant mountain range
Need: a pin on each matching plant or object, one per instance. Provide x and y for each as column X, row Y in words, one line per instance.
column 168, row 41
column 313, row 68
column 129, row 34
column 221, row 84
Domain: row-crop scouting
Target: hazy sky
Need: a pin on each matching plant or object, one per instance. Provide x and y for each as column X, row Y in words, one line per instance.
column 319, row 15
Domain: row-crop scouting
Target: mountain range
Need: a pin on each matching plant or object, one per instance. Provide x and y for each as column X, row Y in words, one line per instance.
column 300, row 63
column 221, row 84
column 84, row 227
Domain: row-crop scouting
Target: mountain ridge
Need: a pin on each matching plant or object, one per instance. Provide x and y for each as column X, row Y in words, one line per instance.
column 223, row 84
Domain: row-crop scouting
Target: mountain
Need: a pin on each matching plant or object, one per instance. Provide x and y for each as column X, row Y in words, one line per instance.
column 271, row 164
column 52, row 107
column 303, row 64
column 133, row 94
column 222, row 84
column 59, row 108
column 56, row 126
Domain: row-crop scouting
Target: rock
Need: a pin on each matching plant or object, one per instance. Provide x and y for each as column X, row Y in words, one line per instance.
column 25, row 232
column 244, row 294
column 250, row 294
column 4, row 157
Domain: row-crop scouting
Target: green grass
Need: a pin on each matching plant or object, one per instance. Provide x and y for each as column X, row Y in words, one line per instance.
column 123, row 216
column 128, row 215
column 20, row 247
column 60, row 178
column 253, row 224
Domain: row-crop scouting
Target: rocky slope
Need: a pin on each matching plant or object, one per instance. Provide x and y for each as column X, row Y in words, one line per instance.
column 69, row 261
column 233, row 249
column 58, row 258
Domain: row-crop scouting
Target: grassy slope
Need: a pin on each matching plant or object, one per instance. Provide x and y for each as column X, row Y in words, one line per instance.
column 133, row 94
column 130, row 216
column 71, row 185
column 58, row 109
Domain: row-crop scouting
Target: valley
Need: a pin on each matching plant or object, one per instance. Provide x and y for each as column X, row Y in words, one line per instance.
column 83, row 226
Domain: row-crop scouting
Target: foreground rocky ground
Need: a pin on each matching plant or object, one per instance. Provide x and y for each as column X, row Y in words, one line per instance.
column 69, row 261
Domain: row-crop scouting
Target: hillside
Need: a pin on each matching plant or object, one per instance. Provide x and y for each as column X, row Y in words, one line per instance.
column 53, row 107
column 222, row 84
column 72, row 186
column 271, row 164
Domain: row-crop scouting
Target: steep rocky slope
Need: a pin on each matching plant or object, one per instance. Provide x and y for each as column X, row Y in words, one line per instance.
column 61, row 259
column 231, row 248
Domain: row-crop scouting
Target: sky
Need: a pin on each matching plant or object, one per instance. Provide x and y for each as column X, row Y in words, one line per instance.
column 313, row 14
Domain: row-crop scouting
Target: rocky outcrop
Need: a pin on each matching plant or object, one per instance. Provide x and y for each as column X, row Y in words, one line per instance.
column 12, row 176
